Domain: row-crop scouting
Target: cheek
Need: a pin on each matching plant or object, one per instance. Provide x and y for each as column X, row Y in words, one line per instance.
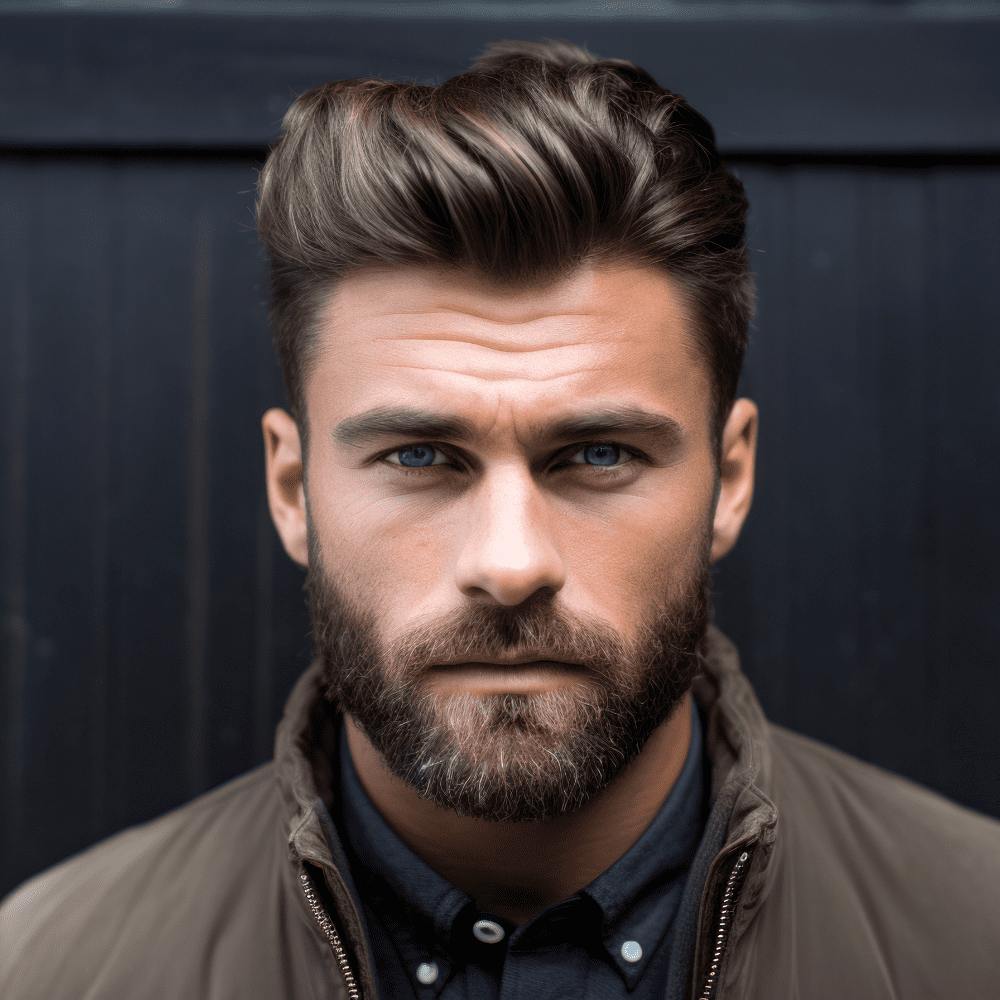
column 647, row 560
column 406, row 561
column 659, row 540
column 377, row 556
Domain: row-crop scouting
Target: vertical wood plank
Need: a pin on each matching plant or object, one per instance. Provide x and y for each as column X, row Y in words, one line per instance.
column 239, row 335
column 198, row 501
column 822, row 283
column 151, row 424
column 64, row 249
column 964, row 482
column 15, row 318
column 895, row 549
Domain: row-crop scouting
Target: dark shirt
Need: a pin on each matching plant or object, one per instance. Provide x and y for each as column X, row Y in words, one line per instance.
column 614, row 937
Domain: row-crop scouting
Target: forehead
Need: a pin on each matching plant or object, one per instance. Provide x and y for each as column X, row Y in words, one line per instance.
column 449, row 339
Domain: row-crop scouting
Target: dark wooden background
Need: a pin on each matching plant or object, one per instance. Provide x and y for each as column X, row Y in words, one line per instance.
column 152, row 626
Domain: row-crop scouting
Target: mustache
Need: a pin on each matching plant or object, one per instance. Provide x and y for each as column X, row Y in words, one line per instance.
column 484, row 632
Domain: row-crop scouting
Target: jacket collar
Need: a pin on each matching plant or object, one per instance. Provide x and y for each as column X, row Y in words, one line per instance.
column 737, row 741
column 738, row 744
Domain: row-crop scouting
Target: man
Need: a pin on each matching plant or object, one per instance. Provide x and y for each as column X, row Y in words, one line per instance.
column 511, row 312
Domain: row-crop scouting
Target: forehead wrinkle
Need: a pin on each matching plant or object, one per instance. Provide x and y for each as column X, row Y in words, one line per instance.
column 495, row 376
column 489, row 345
column 534, row 317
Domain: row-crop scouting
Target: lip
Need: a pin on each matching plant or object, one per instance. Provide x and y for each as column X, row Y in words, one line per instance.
column 486, row 676
column 533, row 659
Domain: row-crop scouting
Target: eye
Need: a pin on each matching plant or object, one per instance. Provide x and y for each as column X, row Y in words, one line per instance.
column 417, row 456
column 602, row 455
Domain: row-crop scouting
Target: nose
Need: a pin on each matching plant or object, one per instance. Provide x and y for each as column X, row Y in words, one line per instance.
column 508, row 552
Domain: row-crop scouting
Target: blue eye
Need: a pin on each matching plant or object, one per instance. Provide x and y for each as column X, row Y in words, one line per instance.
column 602, row 455
column 416, row 456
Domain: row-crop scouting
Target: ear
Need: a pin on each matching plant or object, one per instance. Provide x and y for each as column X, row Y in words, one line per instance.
column 285, row 487
column 736, row 472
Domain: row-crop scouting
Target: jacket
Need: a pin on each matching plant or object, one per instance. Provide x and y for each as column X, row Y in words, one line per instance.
column 835, row 879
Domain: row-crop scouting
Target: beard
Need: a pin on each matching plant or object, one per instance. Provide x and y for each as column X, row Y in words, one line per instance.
column 511, row 757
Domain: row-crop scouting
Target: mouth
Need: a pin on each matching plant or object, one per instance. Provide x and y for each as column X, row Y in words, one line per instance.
column 525, row 659
column 489, row 676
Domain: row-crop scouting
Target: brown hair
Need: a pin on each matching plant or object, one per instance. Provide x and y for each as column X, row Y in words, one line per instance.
column 537, row 159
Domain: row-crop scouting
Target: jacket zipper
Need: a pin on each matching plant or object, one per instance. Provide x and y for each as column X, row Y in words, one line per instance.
column 323, row 919
column 725, row 922
column 722, row 936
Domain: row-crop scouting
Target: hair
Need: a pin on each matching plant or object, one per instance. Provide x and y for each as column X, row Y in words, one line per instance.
column 538, row 159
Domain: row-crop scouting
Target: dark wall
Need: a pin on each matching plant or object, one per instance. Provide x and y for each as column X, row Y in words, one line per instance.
column 152, row 625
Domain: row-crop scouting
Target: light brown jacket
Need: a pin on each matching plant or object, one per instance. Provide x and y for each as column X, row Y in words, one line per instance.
column 856, row 883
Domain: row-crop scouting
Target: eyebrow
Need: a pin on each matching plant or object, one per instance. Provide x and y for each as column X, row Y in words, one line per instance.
column 407, row 421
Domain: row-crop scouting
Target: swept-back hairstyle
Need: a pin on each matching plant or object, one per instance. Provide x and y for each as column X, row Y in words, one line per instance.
column 539, row 158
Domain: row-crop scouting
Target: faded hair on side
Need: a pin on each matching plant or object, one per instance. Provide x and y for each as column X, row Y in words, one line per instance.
column 539, row 158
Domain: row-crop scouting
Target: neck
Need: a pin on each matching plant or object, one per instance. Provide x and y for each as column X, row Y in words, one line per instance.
column 517, row 869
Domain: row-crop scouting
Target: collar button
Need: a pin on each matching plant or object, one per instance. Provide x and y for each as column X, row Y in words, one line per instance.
column 631, row 951
column 488, row 931
column 427, row 972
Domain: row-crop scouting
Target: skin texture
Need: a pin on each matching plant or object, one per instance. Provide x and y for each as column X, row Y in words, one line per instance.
column 510, row 518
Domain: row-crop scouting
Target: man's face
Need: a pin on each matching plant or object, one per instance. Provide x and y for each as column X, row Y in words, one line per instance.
column 509, row 476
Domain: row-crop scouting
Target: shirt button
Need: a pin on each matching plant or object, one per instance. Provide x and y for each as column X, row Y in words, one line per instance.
column 427, row 972
column 631, row 951
column 488, row 931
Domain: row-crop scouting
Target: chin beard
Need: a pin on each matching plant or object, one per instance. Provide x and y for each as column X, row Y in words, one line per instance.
column 511, row 757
